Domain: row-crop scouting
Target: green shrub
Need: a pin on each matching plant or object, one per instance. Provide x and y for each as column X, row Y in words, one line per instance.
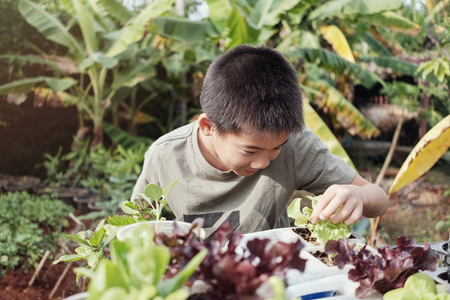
column 28, row 227
column 107, row 173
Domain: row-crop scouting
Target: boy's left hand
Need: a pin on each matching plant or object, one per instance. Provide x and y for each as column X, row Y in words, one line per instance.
column 348, row 198
column 360, row 198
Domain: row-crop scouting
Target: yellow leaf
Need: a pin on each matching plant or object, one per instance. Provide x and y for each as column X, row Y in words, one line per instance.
column 143, row 118
column 337, row 40
column 428, row 150
column 318, row 126
column 47, row 97
column 333, row 102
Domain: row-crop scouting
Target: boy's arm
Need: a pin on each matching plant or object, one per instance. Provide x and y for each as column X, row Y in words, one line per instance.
column 358, row 199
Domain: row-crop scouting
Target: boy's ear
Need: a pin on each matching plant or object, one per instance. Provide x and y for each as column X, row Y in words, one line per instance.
column 205, row 125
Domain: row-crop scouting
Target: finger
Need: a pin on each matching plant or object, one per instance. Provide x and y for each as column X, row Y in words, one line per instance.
column 355, row 216
column 350, row 213
column 346, row 210
column 327, row 196
column 342, row 215
column 332, row 207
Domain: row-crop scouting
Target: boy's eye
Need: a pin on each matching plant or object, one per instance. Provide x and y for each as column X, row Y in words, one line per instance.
column 249, row 152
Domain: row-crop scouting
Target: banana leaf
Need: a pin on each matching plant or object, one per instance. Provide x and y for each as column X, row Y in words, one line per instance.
column 86, row 22
column 116, row 9
column 393, row 63
column 267, row 12
column 48, row 25
column 45, row 95
column 375, row 44
column 219, row 12
column 134, row 31
column 318, row 126
column 123, row 138
column 395, row 22
column 331, row 100
column 337, row 40
column 184, row 30
column 241, row 31
column 428, row 150
column 334, row 63
column 344, row 9
column 25, row 85
column 299, row 39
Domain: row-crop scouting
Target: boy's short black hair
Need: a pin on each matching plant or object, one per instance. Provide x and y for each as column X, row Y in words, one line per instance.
column 253, row 90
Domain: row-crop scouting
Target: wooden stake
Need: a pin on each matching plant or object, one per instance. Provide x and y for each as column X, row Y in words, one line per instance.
column 375, row 223
column 60, row 279
column 41, row 264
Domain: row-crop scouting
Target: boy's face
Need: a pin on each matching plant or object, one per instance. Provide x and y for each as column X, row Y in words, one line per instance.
column 245, row 154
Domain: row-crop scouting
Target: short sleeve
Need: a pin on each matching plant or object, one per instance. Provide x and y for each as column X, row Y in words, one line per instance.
column 316, row 168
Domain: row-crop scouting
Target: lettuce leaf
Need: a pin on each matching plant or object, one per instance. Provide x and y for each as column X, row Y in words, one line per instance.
column 386, row 270
column 323, row 231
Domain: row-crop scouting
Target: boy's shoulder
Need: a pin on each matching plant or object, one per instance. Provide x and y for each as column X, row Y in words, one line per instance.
column 303, row 138
column 178, row 134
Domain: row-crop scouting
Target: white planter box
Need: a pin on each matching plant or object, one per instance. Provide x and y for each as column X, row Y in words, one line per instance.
column 331, row 287
column 165, row 226
column 79, row 296
column 287, row 235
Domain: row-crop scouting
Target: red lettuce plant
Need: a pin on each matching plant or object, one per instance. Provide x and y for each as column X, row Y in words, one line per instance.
column 231, row 270
column 386, row 270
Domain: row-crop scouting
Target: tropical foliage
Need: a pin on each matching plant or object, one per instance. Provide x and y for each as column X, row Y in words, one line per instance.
column 119, row 60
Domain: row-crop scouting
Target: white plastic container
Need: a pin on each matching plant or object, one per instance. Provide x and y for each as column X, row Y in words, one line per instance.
column 165, row 226
column 331, row 287
column 79, row 296
column 287, row 235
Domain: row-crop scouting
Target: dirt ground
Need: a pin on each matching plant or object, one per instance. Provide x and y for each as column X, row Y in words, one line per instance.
column 14, row 286
column 53, row 282
column 414, row 210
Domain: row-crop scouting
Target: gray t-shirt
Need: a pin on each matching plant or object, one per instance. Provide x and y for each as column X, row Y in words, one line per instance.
column 254, row 203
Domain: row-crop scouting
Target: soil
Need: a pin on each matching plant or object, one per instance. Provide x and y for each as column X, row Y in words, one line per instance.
column 305, row 234
column 415, row 210
column 15, row 284
column 323, row 257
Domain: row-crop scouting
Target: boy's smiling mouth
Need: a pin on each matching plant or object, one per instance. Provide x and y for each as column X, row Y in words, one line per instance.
column 250, row 172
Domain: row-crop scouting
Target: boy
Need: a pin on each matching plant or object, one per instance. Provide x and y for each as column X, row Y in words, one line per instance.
column 248, row 152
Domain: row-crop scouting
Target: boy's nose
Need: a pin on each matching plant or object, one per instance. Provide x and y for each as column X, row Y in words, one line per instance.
column 260, row 163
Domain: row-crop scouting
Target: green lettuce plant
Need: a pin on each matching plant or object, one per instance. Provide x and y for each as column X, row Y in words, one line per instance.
column 419, row 286
column 323, row 230
column 136, row 268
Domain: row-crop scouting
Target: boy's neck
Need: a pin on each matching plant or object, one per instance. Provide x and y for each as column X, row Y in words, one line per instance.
column 207, row 150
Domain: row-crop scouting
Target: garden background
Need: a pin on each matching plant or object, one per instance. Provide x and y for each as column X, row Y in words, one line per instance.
column 87, row 85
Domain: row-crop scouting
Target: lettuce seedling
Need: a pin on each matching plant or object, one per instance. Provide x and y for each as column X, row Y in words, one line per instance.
column 151, row 203
column 324, row 230
column 92, row 244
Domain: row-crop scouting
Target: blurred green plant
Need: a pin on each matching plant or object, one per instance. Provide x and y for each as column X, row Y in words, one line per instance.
column 137, row 268
column 109, row 174
column 95, row 55
column 29, row 225
column 92, row 244
column 443, row 225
